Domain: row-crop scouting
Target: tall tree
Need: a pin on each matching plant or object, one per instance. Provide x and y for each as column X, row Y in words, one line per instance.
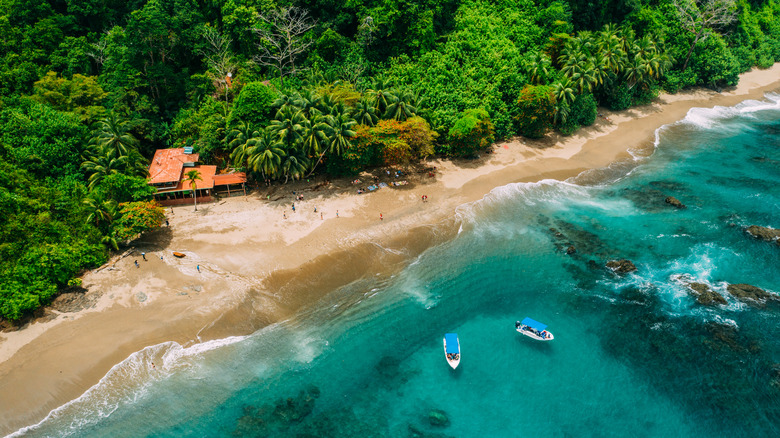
column 282, row 39
column 192, row 177
column 701, row 17
column 114, row 133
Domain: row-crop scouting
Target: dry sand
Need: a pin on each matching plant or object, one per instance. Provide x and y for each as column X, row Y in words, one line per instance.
column 256, row 267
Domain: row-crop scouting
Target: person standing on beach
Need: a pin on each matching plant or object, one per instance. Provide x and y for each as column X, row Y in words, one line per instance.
column 337, row 213
column 136, row 264
column 321, row 216
column 284, row 214
column 143, row 254
column 198, row 268
column 380, row 217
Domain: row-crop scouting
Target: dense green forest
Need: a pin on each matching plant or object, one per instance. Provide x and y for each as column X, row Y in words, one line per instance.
column 90, row 88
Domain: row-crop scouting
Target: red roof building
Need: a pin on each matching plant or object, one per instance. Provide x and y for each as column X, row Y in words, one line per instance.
column 168, row 172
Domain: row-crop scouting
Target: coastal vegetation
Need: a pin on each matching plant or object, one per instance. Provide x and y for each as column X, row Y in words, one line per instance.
column 288, row 89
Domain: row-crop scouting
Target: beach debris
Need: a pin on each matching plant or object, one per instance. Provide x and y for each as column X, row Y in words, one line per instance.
column 622, row 266
column 751, row 294
column 141, row 297
column 764, row 233
column 70, row 302
column 437, row 417
column 179, row 254
column 674, row 202
column 705, row 295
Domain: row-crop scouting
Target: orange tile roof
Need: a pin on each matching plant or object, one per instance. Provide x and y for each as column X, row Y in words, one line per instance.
column 229, row 178
column 167, row 165
column 206, row 174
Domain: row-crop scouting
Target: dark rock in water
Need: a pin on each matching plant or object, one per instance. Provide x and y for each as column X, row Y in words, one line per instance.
column 764, row 233
column 705, row 295
column 571, row 250
column 295, row 409
column 414, row 432
column 775, row 379
column 674, row 202
column 622, row 266
column 437, row 417
column 752, row 294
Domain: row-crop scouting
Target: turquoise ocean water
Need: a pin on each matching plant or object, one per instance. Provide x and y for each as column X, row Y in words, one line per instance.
column 633, row 355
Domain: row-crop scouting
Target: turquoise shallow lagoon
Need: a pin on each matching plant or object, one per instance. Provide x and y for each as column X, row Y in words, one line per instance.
column 633, row 355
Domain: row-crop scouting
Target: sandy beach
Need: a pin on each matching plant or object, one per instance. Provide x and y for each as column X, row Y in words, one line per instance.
column 253, row 261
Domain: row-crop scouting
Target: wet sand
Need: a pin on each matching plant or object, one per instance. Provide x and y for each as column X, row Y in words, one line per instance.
column 258, row 267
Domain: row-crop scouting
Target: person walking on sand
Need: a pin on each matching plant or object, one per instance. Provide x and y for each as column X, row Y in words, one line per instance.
column 380, row 217
column 136, row 264
column 143, row 254
column 198, row 268
column 321, row 218
column 284, row 214
column 337, row 213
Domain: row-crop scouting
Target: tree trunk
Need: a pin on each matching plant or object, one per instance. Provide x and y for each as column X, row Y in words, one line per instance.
column 317, row 163
column 690, row 51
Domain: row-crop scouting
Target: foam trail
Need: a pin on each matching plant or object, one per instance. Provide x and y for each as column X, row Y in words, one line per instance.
column 124, row 383
column 707, row 118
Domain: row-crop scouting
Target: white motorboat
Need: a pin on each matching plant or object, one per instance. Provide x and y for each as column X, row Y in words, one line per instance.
column 452, row 349
column 534, row 329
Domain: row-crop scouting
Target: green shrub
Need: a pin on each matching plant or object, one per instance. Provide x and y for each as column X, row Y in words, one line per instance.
column 253, row 104
column 618, row 97
column 472, row 132
column 675, row 80
column 584, row 109
column 643, row 96
column 535, row 110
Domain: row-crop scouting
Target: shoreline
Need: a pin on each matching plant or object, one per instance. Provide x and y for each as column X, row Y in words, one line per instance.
column 257, row 268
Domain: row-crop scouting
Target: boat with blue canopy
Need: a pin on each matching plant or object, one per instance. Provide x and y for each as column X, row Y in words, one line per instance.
column 452, row 349
column 534, row 329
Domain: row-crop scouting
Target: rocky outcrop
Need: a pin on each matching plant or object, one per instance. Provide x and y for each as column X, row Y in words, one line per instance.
column 764, row 233
column 74, row 301
column 750, row 294
column 674, row 202
column 571, row 250
column 437, row 417
column 621, row 266
column 705, row 295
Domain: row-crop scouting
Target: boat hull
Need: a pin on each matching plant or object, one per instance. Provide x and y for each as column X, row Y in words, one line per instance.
column 535, row 336
column 452, row 362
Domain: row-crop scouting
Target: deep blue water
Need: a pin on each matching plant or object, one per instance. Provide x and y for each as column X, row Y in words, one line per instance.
column 633, row 355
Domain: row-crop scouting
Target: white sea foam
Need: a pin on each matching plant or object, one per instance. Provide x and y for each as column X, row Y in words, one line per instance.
column 125, row 382
column 707, row 118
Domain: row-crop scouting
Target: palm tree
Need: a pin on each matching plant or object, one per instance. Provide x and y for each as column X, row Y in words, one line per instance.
column 114, row 134
column 294, row 164
column 401, row 106
column 381, row 93
column 288, row 125
column 340, row 133
column 100, row 211
column 539, row 68
column 315, row 133
column 341, row 125
column 240, row 134
column 192, row 177
column 564, row 96
column 103, row 162
column 264, row 153
column 365, row 113
column 613, row 57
